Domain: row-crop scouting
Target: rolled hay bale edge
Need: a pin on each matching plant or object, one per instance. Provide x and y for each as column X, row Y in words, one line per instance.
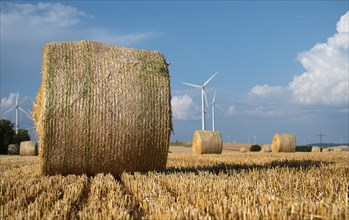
column 207, row 142
column 283, row 143
column 28, row 148
column 13, row 149
column 102, row 108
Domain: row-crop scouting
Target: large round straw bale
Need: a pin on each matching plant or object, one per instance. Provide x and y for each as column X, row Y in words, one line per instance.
column 207, row 142
column 102, row 108
column 266, row 148
column 283, row 143
column 13, row 149
column 316, row 149
column 28, row 148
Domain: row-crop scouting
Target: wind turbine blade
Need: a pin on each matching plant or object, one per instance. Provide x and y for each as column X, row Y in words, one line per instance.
column 214, row 96
column 17, row 99
column 193, row 85
column 9, row 110
column 219, row 107
column 209, row 79
column 25, row 112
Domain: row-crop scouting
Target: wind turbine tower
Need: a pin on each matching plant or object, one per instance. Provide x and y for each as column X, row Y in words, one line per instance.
column 213, row 105
column 203, row 98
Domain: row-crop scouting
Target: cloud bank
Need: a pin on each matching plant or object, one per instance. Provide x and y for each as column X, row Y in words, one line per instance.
column 184, row 108
column 55, row 21
column 325, row 80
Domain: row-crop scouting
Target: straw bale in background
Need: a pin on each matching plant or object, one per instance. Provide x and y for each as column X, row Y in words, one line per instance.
column 284, row 143
column 13, row 149
column 316, row 149
column 207, row 142
column 266, row 148
column 28, row 148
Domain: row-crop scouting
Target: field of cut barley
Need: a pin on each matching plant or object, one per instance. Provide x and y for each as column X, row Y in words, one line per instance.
column 227, row 186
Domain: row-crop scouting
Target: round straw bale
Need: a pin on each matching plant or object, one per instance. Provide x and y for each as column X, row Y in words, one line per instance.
column 316, row 149
column 28, row 148
column 325, row 150
column 337, row 149
column 243, row 150
column 266, row 148
column 207, row 142
column 283, row 143
column 102, row 108
column 343, row 147
column 13, row 149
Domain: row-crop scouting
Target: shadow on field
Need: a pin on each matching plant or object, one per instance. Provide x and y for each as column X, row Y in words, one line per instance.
column 229, row 167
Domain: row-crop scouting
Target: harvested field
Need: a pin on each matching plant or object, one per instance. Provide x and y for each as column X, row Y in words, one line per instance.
column 226, row 186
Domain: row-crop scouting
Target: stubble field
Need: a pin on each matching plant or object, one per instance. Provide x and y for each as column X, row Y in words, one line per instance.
column 229, row 186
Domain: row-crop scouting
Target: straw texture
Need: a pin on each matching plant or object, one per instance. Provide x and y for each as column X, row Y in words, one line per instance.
column 102, row 108
column 28, row 148
column 283, row 143
column 13, row 149
column 207, row 142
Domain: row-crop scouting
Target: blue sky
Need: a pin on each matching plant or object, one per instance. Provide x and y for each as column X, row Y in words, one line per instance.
column 282, row 66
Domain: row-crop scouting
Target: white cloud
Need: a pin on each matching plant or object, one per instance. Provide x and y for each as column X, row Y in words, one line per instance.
column 8, row 102
column 326, row 79
column 343, row 24
column 231, row 110
column 184, row 108
column 266, row 90
column 57, row 22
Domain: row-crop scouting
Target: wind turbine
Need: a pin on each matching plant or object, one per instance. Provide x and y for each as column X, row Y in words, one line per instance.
column 203, row 98
column 17, row 108
column 213, row 104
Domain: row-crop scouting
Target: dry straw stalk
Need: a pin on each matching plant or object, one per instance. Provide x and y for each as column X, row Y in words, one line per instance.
column 283, row 143
column 207, row 142
column 102, row 108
